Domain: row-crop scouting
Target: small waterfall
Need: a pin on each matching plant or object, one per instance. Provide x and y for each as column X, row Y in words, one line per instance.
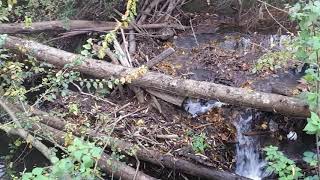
column 249, row 164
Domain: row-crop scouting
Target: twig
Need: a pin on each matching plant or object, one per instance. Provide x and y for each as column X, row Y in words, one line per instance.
column 124, row 106
column 11, row 113
column 167, row 136
column 121, row 55
column 166, row 53
column 265, row 5
column 148, row 9
column 25, row 135
column 33, row 141
column 91, row 95
column 125, row 42
column 122, row 117
column 132, row 42
column 138, row 166
column 171, row 6
column 193, row 33
column 203, row 125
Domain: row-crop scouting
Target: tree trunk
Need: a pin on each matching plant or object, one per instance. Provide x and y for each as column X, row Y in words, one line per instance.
column 14, row 28
column 148, row 155
column 81, row 26
column 161, row 82
column 106, row 163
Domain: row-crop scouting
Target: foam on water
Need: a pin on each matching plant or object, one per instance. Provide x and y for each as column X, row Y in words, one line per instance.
column 249, row 164
column 197, row 107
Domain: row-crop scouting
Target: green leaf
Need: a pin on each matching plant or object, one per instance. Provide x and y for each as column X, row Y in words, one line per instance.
column 87, row 46
column 27, row 176
column 96, row 152
column 41, row 177
column 88, row 85
column 95, row 85
column 310, row 128
column 308, row 154
column 314, row 118
column 110, row 85
column 87, row 161
column 37, row 171
column 54, row 160
column 77, row 155
column 85, row 52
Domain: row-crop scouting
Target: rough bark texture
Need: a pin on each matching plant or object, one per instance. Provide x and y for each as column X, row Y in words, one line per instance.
column 147, row 155
column 173, row 99
column 78, row 26
column 14, row 28
column 105, row 163
column 166, row 53
column 161, row 82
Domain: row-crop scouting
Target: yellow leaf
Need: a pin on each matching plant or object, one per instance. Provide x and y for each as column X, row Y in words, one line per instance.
column 140, row 122
column 29, row 139
column 264, row 125
column 122, row 80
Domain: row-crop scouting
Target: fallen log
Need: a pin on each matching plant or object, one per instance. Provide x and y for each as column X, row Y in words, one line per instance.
column 78, row 26
column 166, row 53
column 173, row 99
column 14, row 28
column 106, row 163
column 161, row 82
column 148, row 155
column 122, row 171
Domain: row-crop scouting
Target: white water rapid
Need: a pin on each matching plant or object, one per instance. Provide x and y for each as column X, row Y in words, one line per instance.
column 249, row 164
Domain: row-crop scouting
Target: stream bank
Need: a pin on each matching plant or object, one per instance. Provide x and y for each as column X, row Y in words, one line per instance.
column 212, row 134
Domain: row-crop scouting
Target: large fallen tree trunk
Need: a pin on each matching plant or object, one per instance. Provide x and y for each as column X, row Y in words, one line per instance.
column 106, row 163
column 82, row 26
column 14, row 28
column 161, row 82
column 122, row 171
column 147, row 155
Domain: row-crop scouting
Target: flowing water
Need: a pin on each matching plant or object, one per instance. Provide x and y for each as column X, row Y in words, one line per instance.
column 249, row 163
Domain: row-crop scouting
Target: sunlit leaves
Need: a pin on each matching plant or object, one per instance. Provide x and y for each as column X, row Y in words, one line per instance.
column 313, row 126
column 310, row 158
column 4, row 12
column 280, row 164
column 199, row 144
column 27, row 21
column 79, row 163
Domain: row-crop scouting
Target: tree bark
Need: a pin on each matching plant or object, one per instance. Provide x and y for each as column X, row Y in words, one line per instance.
column 14, row 28
column 106, row 163
column 161, row 82
column 166, row 53
column 79, row 26
column 148, row 155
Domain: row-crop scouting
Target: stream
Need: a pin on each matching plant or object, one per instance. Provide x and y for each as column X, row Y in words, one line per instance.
column 248, row 160
column 249, row 163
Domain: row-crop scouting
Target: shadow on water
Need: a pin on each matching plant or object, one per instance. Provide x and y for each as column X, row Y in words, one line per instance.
column 22, row 159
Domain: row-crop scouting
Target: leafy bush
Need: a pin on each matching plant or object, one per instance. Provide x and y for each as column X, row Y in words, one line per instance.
column 278, row 163
column 79, row 164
